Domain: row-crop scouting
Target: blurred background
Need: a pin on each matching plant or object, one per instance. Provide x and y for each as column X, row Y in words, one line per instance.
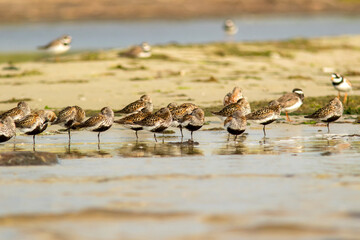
column 26, row 24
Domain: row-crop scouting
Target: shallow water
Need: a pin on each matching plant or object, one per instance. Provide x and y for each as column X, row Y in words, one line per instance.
column 299, row 182
column 120, row 34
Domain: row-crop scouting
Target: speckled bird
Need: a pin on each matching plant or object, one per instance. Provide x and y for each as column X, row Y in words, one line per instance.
column 233, row 97
column 266, row 115
column 70, row 117
column 235, row 124
column 157, row 122
column 20, row 111
column 100, row 122
column 330, row 113
column 291, row 102
column 138, row 105
column 7, row 129
column 341, row 84
column 35, row 123
column 193, row 121
column 241, row 105
column 129, row 121
column 178, row 112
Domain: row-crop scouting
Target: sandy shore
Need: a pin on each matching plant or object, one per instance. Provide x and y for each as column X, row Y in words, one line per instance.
column 202, row 74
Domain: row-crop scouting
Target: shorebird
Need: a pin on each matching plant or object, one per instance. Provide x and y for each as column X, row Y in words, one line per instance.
column 35, row 123
column 341, row 84
column 266, row 115
column 178, row 112
column 7, row 129
column 330, row 113
column 70, row 117
column 241, row 105
column 291, row 102
column 235, row 124
column 141, row 51
column 193, row 121
column 20, row 111
column 129, row 121
column 233, row 97
column 229, row 27
column 157, row 122
column 58, row 46
column 138, row 105
column 100, row 122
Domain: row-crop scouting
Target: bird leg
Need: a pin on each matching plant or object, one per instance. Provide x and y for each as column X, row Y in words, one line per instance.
column 34, row 143
column 345, row 97
column 99, row 137
column 163, row 138
column 192, row 136
column 235, row 138
column 287, row 117
column 328, row 127
column 181, row 131
column 136, row 135
column 69, row 135
column 264, row 131
column 155, row 137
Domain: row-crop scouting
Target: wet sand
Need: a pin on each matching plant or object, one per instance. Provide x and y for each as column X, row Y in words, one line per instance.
column 300, row 182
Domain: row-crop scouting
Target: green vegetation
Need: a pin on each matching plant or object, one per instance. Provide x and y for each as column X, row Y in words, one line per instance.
column 25, row 73
column 16, row 100
column 20, row 57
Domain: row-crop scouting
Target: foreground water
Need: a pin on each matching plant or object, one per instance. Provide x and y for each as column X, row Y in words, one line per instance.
column 114, row 34
column 299, row 182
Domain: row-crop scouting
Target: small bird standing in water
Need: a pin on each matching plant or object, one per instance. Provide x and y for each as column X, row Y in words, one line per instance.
column 235, row 124
column 233, row 97
column 7, row 129
column 130, row 120
column 17, row 113
column 241, row 105
column 341, row 84
column 100, row 122
column 178, row 113
column 229, row 27
column 193, row 121
column 266, row 115
column 330, row 113
column 138, row 105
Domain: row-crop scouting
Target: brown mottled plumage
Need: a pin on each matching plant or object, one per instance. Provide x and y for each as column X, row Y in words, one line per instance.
column 138, row 105
column 157, row 122
column 266, row 115
column 70, row 117
column 141, row 51
column 178, row 112
column 7, row 129
column 235, row 124
column 233, row 97
column 20, row 111
column 330, row 113
column 193, row 121
column 241, row 105
column 129, row 121
column 100, row 122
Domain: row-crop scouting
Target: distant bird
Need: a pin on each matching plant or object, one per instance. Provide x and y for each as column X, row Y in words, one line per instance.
column 141, row 51
column 157, row 122
column 341, row 84
column 235, row 124
column 330, row 113
column 290, row 102
column 178, row 112
column 233, row 97
column 20, row 111
column 138, row 105
column 241, row 105
column 35, row 123
column 100, row 122
column 193, row 121
column 7, row 129
column 129, row 120
column 70, row 117
column 266, row 115
column 229, row 27
column 58, row 46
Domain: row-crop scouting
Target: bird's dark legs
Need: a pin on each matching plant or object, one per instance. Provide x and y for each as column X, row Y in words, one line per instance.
column 99, row 140
column 328, row 127
column 163, row 138
column 136, row 135
column 182, row 135
column 228, row 137
column 235, row 138
column 192, row 136
column 69, row 135
column 155, row 137
column 264, row 131
column 34, row 143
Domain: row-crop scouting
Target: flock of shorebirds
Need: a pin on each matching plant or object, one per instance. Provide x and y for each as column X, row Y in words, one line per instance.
column 139, row 115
